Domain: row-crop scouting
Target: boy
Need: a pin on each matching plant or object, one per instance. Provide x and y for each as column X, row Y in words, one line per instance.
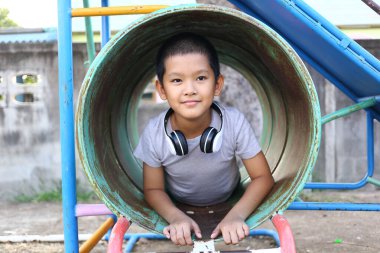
column 190, row 151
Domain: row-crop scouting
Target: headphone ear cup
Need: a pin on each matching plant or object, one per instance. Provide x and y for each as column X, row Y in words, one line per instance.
column 207, row 140
column 179, row 142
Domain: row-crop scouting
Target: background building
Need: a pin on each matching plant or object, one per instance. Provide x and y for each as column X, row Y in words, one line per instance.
column 29, row 113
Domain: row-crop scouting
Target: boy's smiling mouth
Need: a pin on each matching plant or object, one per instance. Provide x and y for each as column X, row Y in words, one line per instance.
column 191, row 102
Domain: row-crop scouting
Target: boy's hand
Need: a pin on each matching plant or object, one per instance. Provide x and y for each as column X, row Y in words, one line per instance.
column 233, row 229
column 179, row 230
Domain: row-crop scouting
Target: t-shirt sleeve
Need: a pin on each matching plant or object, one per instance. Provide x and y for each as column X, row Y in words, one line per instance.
column 146, row 150
column 247, row 145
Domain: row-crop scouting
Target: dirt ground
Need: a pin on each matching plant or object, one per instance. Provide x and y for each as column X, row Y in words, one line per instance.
column 314, row 231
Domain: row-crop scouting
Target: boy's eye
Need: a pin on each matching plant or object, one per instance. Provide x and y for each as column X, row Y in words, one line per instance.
column 176, row 80
column 201, row 78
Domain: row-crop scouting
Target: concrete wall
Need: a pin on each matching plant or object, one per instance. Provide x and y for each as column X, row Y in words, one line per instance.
column 29, row 132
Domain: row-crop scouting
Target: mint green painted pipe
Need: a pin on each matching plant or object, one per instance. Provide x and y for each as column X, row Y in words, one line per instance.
column 348, row 110
column 106, row 117
column 373, row 181
column 89, row 35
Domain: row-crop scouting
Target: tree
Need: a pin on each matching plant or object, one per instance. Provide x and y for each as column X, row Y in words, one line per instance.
column 5, row 21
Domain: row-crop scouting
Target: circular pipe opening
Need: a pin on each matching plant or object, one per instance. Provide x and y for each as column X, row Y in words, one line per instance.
column 106, row 119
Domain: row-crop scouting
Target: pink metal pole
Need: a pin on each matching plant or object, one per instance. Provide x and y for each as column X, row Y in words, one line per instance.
column 91, row 210
column 115, row 242
column 285, row 233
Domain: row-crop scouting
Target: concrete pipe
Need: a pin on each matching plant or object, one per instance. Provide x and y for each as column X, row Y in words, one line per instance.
column 106, row 119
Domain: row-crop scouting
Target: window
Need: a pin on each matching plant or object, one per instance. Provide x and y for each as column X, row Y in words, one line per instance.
column 28, row 79
column 26, row 98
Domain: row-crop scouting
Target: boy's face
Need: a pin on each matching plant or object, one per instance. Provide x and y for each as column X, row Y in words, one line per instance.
column 189, row 85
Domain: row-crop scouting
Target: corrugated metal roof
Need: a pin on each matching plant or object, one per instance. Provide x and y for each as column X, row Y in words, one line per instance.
column 28, row 35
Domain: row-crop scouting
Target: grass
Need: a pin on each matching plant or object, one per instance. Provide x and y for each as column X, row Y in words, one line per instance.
column 55, row 195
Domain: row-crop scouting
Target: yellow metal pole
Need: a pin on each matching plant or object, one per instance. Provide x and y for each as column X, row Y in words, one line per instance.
column 88, row 245
column 116, row 10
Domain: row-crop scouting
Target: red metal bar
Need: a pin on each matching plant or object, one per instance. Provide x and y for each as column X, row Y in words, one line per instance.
column 115, row 242
column 285, row 233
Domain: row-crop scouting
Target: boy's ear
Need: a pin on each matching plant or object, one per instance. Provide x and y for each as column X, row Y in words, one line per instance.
column 219, row 85
column 160, row 89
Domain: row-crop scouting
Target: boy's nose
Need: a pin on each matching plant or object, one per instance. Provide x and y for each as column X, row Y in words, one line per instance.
column 190, row 88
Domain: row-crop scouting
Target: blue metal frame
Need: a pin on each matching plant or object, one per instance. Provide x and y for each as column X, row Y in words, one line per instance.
column 331, row 53
column 370, row 166
column 66, row 112
column 334, row 206
column 65, row 63
column 105, row 26
column 299, row 205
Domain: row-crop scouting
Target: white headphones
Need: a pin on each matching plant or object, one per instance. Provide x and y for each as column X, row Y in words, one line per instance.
column 210, row 141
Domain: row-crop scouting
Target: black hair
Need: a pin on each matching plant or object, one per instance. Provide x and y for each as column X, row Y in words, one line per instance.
column 185, row 43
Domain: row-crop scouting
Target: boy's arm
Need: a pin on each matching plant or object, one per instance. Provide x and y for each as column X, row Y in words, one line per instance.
column 233, row 227
column 181, row 225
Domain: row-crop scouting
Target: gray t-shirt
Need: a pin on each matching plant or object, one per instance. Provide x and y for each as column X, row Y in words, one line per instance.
column 198, row 178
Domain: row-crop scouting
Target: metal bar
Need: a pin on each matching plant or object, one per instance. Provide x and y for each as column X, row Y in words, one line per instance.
column 115, row 243
column 266, row 232
column 340, row 186
column 370, row 160
column 373, row 181
column 370, row 157
column 91, row 210
column 370, row 144
column 334, row 206
column 377, row 98
column 374, row 6
column 97, row 236
column 89, row 35
column 66, row 113
column 116, row 10
column 151, row 236
column 348, row 110
column 338, row 34
column 105, row 25
column 132, row 241
column 285, row 234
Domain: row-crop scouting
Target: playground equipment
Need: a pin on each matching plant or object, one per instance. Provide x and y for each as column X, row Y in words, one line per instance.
column 106, row 128
column 106, row 118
